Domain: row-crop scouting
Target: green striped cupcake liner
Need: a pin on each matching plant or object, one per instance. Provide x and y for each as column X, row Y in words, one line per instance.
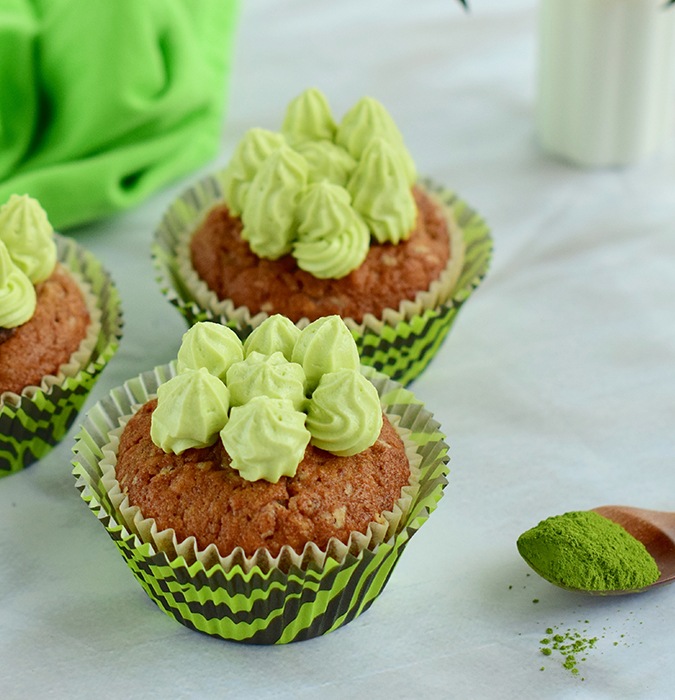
column 256, row 606
column 401, row 350
column 30, row 428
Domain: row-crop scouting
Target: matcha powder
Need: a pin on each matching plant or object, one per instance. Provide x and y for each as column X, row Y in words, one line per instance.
column 571, row 645
column 583, row 550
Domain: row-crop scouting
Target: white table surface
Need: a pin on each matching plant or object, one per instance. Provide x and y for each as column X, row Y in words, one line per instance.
column 556, row 389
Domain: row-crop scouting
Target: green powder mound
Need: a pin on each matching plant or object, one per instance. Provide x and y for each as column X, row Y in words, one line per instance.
column 583, row 550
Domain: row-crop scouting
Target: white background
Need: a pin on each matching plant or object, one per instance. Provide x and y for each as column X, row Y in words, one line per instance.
column 556, row 389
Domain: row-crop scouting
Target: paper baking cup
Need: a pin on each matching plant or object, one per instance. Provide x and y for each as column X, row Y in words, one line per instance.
column 399, row 345
column 259, row 605
column 34, row 421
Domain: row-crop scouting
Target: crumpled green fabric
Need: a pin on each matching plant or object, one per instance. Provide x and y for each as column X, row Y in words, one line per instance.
column 104, row 101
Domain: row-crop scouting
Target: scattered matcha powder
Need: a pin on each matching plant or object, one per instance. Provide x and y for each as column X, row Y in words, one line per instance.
column 571, row 644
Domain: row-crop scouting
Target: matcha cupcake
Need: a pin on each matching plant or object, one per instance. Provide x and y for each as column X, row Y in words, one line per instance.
column 326, row 218
column 59, row 325
column 262, row 492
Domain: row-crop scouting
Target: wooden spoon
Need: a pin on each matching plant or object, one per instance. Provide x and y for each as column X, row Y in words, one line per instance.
column 655, row 529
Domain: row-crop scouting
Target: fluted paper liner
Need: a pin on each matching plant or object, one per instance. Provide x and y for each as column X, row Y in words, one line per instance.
column 400, row 344
column 32, row 422
column 258, row 600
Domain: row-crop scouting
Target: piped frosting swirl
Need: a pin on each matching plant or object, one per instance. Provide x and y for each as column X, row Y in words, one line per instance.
column 249, row 155
column 308, row 117
column 344, row 414
column 367, row 120
column 210, row 345
column 266, row 438
column 266, row 408
column 192, row 408
column 266, row 375
column 276, row 334
column 270, row 177
column 269, row 213
column 381, row 193
column 17, row 294
column 332, row 238
column 29, row 237
column 324, row 346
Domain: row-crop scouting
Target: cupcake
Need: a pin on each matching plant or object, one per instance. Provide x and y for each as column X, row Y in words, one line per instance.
column 325, row 218
column 60, row 323
column 262, row 491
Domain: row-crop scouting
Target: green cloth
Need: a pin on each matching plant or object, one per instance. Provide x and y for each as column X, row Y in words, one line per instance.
column 104, row 101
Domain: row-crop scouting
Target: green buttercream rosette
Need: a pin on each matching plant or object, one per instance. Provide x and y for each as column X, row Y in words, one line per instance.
column 398, row 345
column 34, row 421
column 256, row 604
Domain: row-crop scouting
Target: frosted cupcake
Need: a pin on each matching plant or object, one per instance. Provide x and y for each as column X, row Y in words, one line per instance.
column 273, row 479
column 326, row 218
column 59, row 325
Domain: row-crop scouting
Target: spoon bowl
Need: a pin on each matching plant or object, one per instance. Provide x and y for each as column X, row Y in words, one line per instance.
column 655, row 529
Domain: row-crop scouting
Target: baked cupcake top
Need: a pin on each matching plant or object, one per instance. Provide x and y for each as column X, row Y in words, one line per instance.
column 43, row 314
column 198, row 493
column 280, row 441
